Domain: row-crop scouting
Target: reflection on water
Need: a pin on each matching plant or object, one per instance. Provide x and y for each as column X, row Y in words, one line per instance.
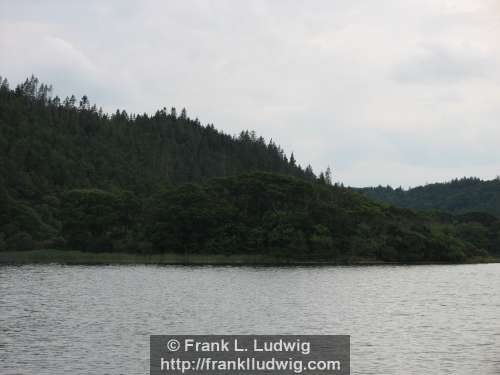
column 402, row 320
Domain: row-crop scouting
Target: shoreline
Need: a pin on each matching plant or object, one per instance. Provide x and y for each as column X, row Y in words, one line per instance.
column 75, row 257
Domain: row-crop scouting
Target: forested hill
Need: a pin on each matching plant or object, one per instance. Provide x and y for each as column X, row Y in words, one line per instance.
column 458, row 196
column 48, row 145
column 72, row 177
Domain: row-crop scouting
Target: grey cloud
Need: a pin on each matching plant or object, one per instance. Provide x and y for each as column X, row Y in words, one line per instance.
column 438, row 64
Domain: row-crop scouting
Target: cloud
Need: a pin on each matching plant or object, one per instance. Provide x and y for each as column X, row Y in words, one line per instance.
column 355, row 84
column 438, row 64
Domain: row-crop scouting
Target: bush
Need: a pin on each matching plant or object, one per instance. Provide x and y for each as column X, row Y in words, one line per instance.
column 20, row 241
column 3, row 244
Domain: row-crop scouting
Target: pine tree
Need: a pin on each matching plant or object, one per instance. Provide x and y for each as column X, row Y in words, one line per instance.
column 84, row 103
column 183, row 114
column 321, row 178
column 173, row 112
column 328, row 176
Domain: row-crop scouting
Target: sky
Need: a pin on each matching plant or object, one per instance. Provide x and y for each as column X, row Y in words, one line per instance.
column 401, row 92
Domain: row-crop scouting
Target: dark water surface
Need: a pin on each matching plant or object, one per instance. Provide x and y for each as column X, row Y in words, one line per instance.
column 402, row 320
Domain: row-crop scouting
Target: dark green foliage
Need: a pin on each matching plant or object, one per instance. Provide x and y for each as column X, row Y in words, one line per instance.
column 20, row 241
column 3, row 244
column 476, row 204
column 457, row 196
column 75, row 178
column 49, row 146
column 289, row 217
column 96, row 219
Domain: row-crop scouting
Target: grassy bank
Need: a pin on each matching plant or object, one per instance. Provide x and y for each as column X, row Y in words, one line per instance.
column 80, row 257
column 86, row 258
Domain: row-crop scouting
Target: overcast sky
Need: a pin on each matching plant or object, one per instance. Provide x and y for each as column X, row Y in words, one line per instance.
column 399, row 92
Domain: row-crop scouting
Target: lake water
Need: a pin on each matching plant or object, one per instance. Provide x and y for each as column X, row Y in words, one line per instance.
column 402, row 320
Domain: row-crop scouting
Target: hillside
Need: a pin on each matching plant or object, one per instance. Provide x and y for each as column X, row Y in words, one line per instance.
column 458, row 196
column 60, row 144
column 75, row 178
column 49, row 145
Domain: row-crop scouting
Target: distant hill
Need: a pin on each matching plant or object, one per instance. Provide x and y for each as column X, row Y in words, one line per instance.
column 458, row 196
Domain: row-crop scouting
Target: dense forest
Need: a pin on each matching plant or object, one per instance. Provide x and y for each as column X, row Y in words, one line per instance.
column 457, row 196
column 73, row 177
column 280, row 215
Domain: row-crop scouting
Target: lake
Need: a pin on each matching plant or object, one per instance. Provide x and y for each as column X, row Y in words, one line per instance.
column 402, row 319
